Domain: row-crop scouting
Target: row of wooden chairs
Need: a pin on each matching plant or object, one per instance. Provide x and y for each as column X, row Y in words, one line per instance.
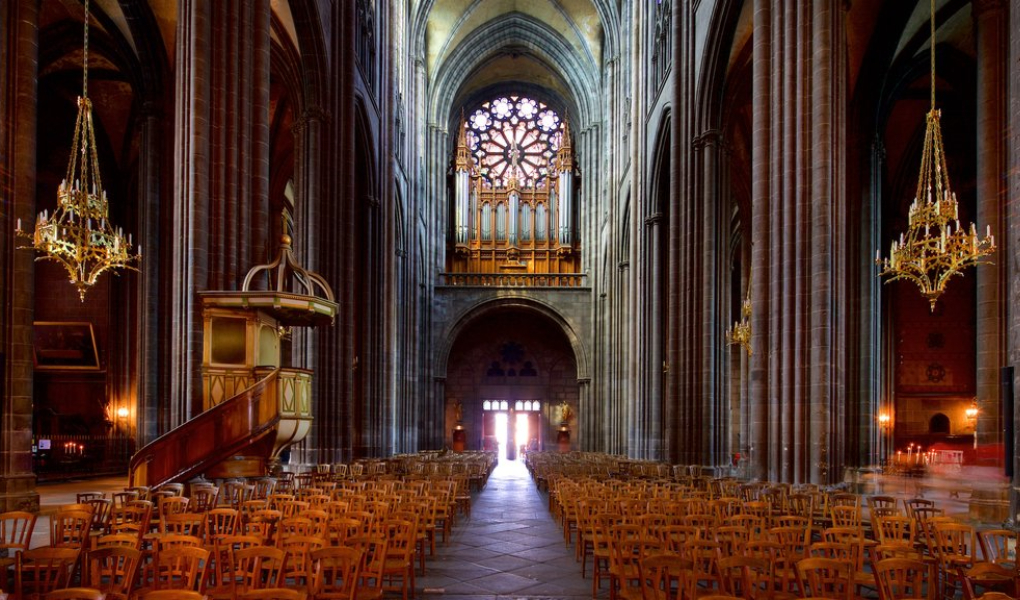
column 242, row 562
column 963, row 560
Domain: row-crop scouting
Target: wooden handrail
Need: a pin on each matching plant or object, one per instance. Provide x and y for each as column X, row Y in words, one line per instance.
column 209, row 438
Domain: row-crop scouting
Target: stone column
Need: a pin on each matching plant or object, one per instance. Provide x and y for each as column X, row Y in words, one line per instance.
column 761, row 233
column 584, row 406
column 152, row 214
column 711, row 214
column 221, row 178
column 990, row 25
column 654, row 341
column 435, row 417
column 309, row 159
column 871, row 357
column 1009, row 247
column 797, row 416
column 19, row 65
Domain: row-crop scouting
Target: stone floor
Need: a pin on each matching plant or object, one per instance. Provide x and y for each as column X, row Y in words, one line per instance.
column 510, row 547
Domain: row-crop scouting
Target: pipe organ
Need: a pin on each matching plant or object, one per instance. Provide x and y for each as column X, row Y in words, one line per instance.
column 514, row 193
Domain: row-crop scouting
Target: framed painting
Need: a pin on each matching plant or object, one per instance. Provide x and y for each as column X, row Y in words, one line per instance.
column 64, row 346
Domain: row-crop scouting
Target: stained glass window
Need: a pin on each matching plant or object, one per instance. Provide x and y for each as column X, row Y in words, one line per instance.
column 514, row 136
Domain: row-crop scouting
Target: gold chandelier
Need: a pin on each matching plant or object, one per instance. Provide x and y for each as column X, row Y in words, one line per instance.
column 935, row 247
column 740, row 332
column 78, row 233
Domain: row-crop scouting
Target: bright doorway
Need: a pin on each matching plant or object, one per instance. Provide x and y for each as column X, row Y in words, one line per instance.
column 505, row 421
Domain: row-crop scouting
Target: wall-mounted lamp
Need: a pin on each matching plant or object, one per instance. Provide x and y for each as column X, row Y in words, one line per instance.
column 123, row 412
column 972, row 416
column 884, row 420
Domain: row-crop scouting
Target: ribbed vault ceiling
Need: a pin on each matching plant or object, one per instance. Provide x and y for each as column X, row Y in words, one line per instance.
column 450, row 22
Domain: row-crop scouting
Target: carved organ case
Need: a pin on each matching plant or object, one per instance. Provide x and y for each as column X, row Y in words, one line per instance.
column 514, row 191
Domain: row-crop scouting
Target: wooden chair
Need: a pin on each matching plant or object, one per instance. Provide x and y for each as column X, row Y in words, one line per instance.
column 173, row 505
column 83, row 497
column 292, row 508
column 399, row 562
column 39, row 571
column 234, row 492
column 846, row 516
column 956, row 549
column 731, row 539
column 795, row 543
column 319, row 518
column 112, row 570
column 219, row 522
column 117, row 539
column 222, row 574
column 884, row 551
column 986, row 577
column 895, row 529
column 16, row 529
column 180, row 568
column 101, row 508
column 76, row 593
column 121, row 499
column 183, row 523
column 171, row 595
column 834, row 550
column 914, row 503
column 203, row 497
column 141, row 491
column 370, row 577
column 261, row 523
column 772, row 551
column 132, row 519
column 746, row 576
column 70, row 529
column 759, row 509
column 902, row 578
column 335, row 572
column 297, row 572
column 996, row 545
column 755, row 526
column 272, row 594
column 177, row 489
column 883, row 502
column 258, row 567
column 826, row 578
column 704, row 574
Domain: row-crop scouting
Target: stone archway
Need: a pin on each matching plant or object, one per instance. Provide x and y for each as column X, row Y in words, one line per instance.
column 509, row 360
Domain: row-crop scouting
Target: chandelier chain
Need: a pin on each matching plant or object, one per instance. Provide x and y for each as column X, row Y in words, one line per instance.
column 932, row 50
column 85, row 56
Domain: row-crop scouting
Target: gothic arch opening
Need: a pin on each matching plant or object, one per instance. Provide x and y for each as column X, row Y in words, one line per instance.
column 939, row 424
column 502, row 357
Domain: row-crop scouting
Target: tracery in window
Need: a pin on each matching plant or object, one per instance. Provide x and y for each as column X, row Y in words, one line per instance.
column 514, row 137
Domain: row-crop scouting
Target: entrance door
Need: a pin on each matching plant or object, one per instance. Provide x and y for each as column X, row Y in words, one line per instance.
column 508, row 427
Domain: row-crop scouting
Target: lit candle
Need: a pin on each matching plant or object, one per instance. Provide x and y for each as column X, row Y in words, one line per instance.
column 19, row 223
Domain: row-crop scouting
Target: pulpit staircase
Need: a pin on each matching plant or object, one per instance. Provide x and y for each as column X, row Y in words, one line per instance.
column 254, row 408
